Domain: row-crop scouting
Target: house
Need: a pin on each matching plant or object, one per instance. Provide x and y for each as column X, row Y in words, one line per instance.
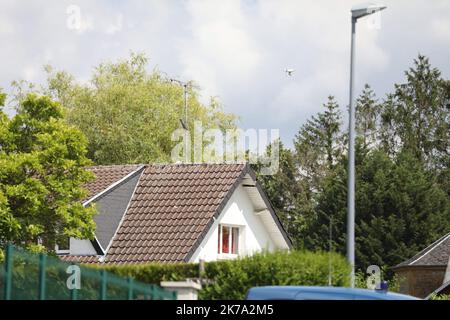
column 177, row 213
column 427, row 271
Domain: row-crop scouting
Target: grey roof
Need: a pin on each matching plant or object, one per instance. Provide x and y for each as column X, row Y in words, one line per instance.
column 436, row 254
column 111, row 208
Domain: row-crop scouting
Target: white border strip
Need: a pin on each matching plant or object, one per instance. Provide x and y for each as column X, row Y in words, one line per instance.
column 111, row 186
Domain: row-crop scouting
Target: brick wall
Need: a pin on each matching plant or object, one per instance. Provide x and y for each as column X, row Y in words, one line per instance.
column 420, row 281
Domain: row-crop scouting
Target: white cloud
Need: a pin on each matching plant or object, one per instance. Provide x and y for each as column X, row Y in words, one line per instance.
column 116, row 26
column 236, row 50
column 30, row 73
column 440, row 29
column 219, row 47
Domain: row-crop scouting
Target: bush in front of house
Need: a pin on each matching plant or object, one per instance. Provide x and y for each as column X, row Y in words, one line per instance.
column 231, row 279
column 154, row 273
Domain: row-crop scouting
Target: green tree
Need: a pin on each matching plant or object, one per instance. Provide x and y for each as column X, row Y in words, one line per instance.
column 42, row 170
column 293, row 189
column 367, row 114
column 402, row 172
column 329, row 212
column 400, row 209
column 417, row 117
column 293, row 205
column 129, row 114
column 318, row 144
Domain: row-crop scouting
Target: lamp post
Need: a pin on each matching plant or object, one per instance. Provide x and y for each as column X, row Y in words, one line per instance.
column 357, row 12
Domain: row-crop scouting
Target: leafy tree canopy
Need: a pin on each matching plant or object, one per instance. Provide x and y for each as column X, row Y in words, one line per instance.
column 129, row 114
column 42, row 170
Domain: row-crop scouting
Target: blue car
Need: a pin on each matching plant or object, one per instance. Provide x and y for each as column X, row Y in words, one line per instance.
column 321, row 293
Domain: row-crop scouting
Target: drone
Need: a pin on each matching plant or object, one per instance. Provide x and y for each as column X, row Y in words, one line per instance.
column 289, row 72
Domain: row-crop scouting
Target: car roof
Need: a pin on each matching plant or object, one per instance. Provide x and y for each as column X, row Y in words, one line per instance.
column 321, row 293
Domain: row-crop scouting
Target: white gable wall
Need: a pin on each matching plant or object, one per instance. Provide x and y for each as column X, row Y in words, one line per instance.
column 253, row 235
column 80, row 247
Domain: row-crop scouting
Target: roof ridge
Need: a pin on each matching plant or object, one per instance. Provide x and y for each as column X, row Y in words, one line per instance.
column 169, row 164
column 113, row 166
column 196, row 164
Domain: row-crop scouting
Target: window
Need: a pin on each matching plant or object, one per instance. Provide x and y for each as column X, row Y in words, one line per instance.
column 63, row 247
column 228, row 240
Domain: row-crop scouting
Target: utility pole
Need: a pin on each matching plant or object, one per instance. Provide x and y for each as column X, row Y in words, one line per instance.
column 185, row 122
column 330, row 265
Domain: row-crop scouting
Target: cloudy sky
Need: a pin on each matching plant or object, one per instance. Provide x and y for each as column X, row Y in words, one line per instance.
column 235, row 50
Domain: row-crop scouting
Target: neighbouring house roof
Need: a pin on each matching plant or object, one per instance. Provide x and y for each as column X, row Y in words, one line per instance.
column 169, row 211
column 436, row 254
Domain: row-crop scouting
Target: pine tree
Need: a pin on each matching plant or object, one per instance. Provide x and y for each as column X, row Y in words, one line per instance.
column 399, row 209
column 418, row 114
column 367, row 118
column 318, row 144
column 289, row 196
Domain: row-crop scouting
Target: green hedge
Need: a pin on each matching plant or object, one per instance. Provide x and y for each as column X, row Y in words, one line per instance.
column 230, row 279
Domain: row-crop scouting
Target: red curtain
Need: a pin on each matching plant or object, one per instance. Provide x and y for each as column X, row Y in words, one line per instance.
column 225, row 240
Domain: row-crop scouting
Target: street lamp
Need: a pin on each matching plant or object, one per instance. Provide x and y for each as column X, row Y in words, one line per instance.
column 357, row 12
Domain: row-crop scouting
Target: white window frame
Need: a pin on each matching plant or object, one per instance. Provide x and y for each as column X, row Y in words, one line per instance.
column 62, row 252
column 224, row 255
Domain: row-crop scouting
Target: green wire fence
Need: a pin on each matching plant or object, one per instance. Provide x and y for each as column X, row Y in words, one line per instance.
column 28, row 276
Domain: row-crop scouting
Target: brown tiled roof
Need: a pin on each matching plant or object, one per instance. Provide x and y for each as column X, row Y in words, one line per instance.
column 172, row 207
column 80, row 259
column 105, row 176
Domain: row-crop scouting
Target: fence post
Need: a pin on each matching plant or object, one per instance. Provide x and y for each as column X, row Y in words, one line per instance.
column 130, row 288
column 154, row 292
column 42, row 269
column 103, row 285
column 8, row 271
column 73, row 294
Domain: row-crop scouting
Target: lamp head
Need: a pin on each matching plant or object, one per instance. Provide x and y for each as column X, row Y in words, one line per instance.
column 363, row 10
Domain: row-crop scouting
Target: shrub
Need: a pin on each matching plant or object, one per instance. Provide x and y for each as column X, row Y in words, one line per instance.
column 155, row 272
column 440, row 297
column 231, row 279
